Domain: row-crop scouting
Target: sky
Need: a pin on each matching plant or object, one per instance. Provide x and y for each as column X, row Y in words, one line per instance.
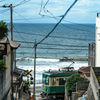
column 50, row 11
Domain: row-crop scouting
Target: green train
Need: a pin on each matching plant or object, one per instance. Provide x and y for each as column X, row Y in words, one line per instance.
column 53, row 83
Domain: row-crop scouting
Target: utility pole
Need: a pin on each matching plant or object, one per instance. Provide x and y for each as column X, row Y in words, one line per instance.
column 11, row 22
column 35, row 45
column 11, row 38
column 11, row 25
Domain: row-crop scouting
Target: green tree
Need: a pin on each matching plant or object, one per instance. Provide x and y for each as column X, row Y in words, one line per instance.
column 71, row 83
column 3, row 33
column 2, row 66
column 3, row 30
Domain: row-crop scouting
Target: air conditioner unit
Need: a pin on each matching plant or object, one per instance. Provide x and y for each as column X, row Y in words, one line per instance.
column 4, row 58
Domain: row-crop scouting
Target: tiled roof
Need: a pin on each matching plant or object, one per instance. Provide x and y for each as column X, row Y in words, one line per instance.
column 85, row 72
column 84, row 69
column 13, row 44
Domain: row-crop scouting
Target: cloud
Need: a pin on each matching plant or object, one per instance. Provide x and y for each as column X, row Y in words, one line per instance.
column 56, row 7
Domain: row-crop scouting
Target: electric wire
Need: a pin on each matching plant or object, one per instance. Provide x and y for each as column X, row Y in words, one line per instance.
column 65, row 24
column 52, row 48
column 58, row 22
column 27, row 20
column 21, row 3
column 41, row 6
column 20, row 35
column 55, row 36
column 45, row 5
column 53, row 44
column 3, row 11
column 48, row 60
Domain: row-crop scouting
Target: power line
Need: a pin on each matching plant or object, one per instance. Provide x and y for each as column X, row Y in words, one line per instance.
column 58, row 22
column 53, row 44
column 67, row 25
column 41, row 6
column 45, row 4
column 54, row 48
column 27, row 20
column 21, row 3
column 55, row 36
column 3, row 11
column 21, row 36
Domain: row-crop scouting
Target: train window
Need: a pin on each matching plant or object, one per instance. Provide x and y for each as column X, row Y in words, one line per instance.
column 53, row 81
column 47, row 80
column 62, row 81
column 43, row 79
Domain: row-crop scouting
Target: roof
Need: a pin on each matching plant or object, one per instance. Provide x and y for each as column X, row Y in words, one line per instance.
column 84, row 69
column 19, row 71
column 13, row 44
column 85, row 72
column 59, row 73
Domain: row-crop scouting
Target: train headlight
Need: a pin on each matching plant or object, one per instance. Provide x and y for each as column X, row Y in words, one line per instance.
column 47, row 90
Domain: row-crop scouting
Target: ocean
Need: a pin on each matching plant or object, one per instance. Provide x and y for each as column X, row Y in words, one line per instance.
column 67, row 40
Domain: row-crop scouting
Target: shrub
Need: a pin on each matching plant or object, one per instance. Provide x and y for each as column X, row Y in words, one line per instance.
column 71, row 83
column 27, row 84
column 3, row 29
column 2, row 66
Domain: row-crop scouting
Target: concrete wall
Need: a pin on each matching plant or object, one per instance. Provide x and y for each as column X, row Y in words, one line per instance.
column 5, row 78
column 94, row 83
column 82, row 86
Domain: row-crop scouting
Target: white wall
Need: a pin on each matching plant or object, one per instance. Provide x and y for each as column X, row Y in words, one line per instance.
column 97, row 54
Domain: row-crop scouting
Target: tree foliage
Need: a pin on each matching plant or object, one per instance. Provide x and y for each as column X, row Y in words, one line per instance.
column 71, row 83
column 3, row 33
column 2, row 66
column 3, row 29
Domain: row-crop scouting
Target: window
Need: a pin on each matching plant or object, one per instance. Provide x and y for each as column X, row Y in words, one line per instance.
column 53, row 81
column 62, row 81
column 45, row 79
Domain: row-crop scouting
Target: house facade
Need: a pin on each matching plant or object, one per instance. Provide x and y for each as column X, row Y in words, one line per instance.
column 7, row 47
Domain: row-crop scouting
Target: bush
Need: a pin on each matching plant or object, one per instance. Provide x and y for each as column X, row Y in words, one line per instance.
column 3, row 29
column 27, row 84
column 2, row 66
column 71, row 83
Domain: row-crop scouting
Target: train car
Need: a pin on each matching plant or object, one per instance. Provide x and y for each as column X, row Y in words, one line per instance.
column 53, row 83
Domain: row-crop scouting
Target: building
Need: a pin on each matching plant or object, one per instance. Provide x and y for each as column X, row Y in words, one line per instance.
column 6, row 78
